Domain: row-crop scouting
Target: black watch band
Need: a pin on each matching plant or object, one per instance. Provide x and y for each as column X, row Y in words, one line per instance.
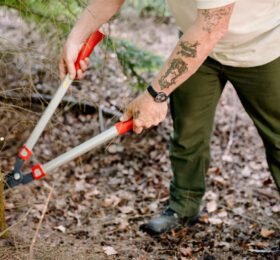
column 159, row 97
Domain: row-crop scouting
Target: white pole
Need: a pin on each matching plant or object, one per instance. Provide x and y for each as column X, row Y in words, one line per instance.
column 48, row 113
column 81, row 149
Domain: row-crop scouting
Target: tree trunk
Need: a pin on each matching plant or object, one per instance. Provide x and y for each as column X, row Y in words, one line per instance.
column 2, row 207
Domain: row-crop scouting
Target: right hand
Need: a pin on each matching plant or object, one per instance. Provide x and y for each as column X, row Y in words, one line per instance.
column 67, row 61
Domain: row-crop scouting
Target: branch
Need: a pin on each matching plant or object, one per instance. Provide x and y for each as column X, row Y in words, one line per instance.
column 31, row 249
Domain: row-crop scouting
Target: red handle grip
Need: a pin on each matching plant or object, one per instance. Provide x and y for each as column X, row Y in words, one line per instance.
column 124, row 127
column 87, row 48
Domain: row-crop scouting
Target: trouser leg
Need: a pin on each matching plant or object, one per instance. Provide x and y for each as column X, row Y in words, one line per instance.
column 259, row 91
column 193, row 107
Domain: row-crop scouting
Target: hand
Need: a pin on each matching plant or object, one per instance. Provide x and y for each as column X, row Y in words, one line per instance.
column 67, row 61
column 145, row 112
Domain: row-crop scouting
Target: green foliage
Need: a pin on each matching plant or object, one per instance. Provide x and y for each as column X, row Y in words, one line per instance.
column 49, row 14
column 60, row 15
column 133, row 60
column 155, row 7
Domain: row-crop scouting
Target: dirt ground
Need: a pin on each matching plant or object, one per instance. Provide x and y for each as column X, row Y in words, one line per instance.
column 99, row 200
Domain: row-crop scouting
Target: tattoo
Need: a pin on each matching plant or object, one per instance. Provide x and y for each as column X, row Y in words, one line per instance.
column 212, row 18
column 188, row 49
column 176, row 69
column 136, row 114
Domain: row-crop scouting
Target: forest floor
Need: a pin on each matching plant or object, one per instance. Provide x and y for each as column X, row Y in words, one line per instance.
column 99, row 200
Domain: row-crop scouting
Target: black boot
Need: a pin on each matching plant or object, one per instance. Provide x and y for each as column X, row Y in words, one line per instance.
column 167, row 221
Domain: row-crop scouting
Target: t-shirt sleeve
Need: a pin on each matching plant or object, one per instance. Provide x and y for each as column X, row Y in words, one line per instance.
column 208, row 4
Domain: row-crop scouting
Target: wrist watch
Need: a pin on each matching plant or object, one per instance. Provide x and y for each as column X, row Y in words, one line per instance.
column 158, row 97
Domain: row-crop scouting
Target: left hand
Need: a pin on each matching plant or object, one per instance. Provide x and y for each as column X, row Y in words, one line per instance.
column 145, row 112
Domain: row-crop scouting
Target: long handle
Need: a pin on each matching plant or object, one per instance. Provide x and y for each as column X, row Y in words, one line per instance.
column 86, row 50
column 39, row 171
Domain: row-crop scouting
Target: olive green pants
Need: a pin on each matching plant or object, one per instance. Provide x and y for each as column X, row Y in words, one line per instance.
column 193, row 107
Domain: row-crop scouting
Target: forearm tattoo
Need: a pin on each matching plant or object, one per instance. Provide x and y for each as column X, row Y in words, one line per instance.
column 212, row 18
column 176, row 69
column 188, row 49
column 178, row 66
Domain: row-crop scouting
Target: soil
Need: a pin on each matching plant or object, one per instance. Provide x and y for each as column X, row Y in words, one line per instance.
column 100, row 199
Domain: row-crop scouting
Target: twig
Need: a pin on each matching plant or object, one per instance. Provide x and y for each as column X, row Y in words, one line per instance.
column 254, row 220
column 101, row 119
column 264, row 194
column 265, row 251
column 111, row 112
column 67, row 101
column 31, row 249
column 20, row 220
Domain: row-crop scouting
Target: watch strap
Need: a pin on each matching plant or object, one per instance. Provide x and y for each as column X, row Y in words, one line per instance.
column 158, row 97
column 152, row 92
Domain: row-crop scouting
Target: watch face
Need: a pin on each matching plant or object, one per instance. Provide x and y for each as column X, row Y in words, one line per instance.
column 161, row 97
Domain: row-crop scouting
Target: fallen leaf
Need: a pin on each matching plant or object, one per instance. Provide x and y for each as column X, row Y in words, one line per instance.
column 215, row 221
column 276, row 208
column 60, row 228
column 153, row 206
column 219, row 180
column 210, row 195
column 255, row 165
column 261, row 245
column 39, row 207
column 204, row 219
column 239, row 211
column 80, row 186
column 186, row 251
column 94, row 192
column 9, row 206
column 112, row 149
column 217, row 171
column 126, row 209
column 246, row 172
column 112, row 201
column 222, row 214
column 88, row 168
column 108, row 250
column 211, row 206
column 123, row 224
column 230, row 201
column 253, row 226
column 266, row 232
column 227, row 158
column 225, row 245
column 267, row 181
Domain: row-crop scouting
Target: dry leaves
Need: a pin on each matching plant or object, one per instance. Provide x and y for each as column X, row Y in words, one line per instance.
column 211, row 206
column 109, row 250
column 126, row 209
column 60, row 228
column 215, row 220
column 112, row 201
column 186, row 251
column 267, row 233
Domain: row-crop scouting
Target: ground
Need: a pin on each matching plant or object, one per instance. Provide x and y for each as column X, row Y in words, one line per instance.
column 99, row 200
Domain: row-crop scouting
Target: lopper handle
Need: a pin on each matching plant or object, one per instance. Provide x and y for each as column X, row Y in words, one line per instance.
column 123, row 127
column 88, row 47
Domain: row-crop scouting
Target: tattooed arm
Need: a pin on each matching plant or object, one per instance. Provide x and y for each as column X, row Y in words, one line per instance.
column 193, row 48
column 190, row 52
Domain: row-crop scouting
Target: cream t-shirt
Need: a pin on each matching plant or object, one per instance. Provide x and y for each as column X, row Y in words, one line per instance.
column 253, row 37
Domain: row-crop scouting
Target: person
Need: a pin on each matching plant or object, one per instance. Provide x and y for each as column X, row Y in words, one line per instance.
column 222, row 40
